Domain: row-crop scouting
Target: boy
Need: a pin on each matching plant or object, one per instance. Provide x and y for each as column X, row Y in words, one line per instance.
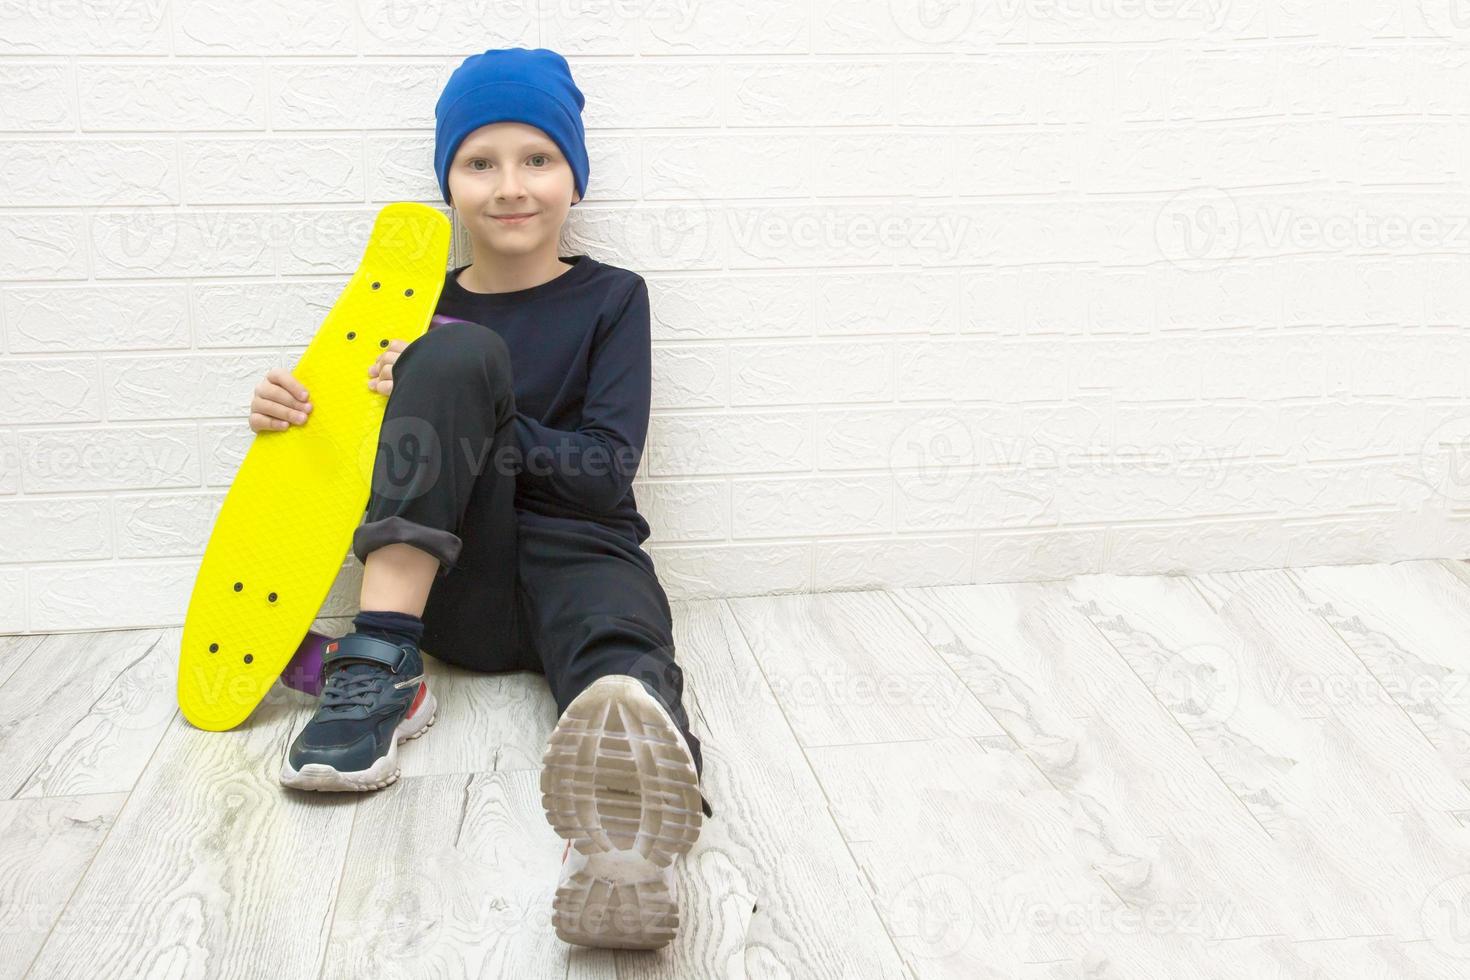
column 502, row 532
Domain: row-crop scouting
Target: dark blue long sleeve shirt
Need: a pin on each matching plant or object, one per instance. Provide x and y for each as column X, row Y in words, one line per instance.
column 581, row 360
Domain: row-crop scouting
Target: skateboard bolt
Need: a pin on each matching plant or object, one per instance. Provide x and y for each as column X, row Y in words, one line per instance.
column 272, row 597
column 351, row 334
column 214, row 648
column 239, row 586
column 383, row 343
column 376, row 285
column 408, row 292
column 249, row 658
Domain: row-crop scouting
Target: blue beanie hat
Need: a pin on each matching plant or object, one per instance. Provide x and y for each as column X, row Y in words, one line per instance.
column 511, row 85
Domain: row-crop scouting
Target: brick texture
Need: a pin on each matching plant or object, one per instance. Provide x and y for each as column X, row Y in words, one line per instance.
column 941, row 293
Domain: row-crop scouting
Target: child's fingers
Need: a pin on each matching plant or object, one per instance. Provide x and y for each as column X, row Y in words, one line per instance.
column 279, row 411
column 260, row 422
column 279, row 401
column 382, row 370
column 387, row 357
column 287, row 381
column 383, row 380
column 273, row 392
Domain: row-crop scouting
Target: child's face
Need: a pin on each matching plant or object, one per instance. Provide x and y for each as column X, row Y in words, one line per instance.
column 511, row 168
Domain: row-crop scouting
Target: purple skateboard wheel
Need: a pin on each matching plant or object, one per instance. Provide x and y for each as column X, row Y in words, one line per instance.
column 304, row 672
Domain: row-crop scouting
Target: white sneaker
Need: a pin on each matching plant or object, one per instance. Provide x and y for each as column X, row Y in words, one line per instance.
column 619, row 784
column 615, row 899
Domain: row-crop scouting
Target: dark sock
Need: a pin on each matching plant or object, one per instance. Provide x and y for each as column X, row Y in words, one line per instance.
column 395, row 627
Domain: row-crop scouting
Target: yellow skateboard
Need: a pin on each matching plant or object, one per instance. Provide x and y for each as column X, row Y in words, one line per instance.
column 288, row 518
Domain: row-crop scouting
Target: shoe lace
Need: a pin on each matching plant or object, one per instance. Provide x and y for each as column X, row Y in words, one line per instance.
column 353, row 684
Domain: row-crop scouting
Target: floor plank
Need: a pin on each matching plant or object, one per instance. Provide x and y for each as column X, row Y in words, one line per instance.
column 1409, row 623
column 771, row 879
column 1223, row 653
column 86, row 712
column 847, row 667
column 211, row 869
column 48, row 845
column 965, row 846
column 449, row 876
column 1256, row 775
column 1149, row 815
column 15, row 650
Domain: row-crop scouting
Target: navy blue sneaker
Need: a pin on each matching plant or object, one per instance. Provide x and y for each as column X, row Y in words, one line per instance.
column 375, row 696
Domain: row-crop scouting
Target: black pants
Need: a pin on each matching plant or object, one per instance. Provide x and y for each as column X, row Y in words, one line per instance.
column 573, row 600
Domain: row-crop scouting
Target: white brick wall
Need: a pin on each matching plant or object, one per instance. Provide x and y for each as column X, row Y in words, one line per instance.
column 942, row 293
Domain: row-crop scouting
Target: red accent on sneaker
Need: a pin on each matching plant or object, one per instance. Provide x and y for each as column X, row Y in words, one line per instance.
column 332, row 647
column 418, row 699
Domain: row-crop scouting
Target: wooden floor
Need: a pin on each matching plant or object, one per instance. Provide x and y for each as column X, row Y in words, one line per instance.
column 1256, row 775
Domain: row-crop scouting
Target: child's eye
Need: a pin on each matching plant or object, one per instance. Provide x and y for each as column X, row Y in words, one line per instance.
column 478, row 160
column 540, row 156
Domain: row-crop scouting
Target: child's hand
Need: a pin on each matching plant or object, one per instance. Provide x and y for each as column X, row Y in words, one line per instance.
column 382, row 370
column 279, row 400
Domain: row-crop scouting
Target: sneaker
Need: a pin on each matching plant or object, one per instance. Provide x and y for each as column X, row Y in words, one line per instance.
column 619, row 784
column 615, row 900
column 375, row 696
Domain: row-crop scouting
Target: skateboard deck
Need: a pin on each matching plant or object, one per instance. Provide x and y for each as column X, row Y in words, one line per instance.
column 287, row 520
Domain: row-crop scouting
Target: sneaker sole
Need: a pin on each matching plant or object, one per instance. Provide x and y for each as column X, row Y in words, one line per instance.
column 323, row 778
column 620, row 784
column 618, row 900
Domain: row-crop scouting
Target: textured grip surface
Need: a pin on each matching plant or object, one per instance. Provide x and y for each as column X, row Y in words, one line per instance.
column 287, row 520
